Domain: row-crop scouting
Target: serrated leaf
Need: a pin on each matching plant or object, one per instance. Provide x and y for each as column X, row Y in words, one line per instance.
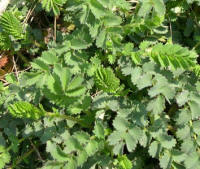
column 56, row 152
column 97, row 9
column 72, row 164
column 91, row 147
column 81, row 39
column 131, row 142
column 101, row 39
column 157, row 105
column 81, row 158
column 112, row 20
column 166, row 161
column 183, row 132
column 63, row 74
column 182, row 97
column 155, row 149
column 174, row 56
column 11, row 25
column 188, row 146
column 192, row 160
column 75, row 82
column 40, row 64
column 99, row 130
column 106, row 80
column 167, row 141
column 114, row 137
column 183, row 116
column 162, row 87
column 178, row 156
column 194, row 104
column 196, row 127
column 49, row 57
column 144, row 81
column 120, row 124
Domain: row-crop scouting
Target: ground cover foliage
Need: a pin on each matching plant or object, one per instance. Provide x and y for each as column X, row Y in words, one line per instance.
column 100, row 84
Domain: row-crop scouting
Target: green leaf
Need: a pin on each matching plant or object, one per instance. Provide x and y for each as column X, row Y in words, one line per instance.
column 72, row 164
column 182, row 97
column 64, row 76
column 194, row 104
column 101, row 39
column 145, row 8
column 82, row 157
column 106, row 80
column 131, row 142
column 49, row 57
column 178, row 156
column 155, row 149
column 75, row 83
column 183, row 132
column 99, row 130
column 91, row 147
column 159, row 7
column 183, row 116
column 144, row 81
column 188, row 146
column 147, row 5
column 120, row 123
column 196, row 127
column 166, row 161
column 194, row 107
column 112, row 20
column 192, row 160
column 162, row 87
column 97, row 9
column 157, row 105
column 167, row 141
column 40, row 64
column 81, row 39
column 56, row 152
column 114, row 137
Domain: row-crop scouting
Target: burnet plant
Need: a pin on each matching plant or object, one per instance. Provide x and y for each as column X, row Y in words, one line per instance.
column 120, row 90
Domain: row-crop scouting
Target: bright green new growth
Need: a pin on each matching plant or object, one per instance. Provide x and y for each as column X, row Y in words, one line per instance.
column 196, row 70
column 173, row 55
column 23, row 109
column 11, row 25
column 106, row 80
column 124, row 162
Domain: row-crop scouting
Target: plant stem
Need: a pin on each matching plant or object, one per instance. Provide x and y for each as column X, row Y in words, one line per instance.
column 55, row 20
column 23, row 157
